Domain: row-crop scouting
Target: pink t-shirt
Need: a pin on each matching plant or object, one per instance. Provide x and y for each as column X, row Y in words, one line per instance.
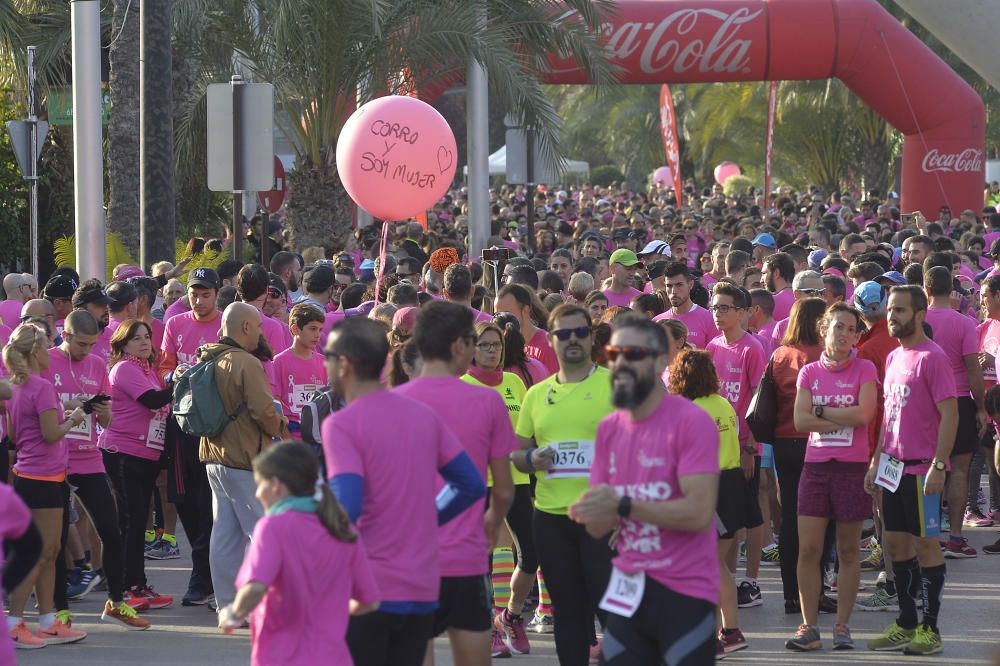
column 766, row 338
column 740, row 366
column 837, row 389
column 956, row 334
column 278, row 337
column 538, row 347
column 329, row 320
column 103, row 347
column 646, row 460
column 396, row 445
column 135, row 429
column 783, row 302
column 622, row 299
column 177, row 307
column 707, row 280
column 311, row 578
column 483, row 427
column 778, row 332
column 989, row 342
column 916, row 379
column 4, row 335
column 293, row 379
column 158, row 328
column 699, row 322
column 15, row 517
column 10, row 313
column 536, row 371
column 184, row 334
column 35, row 456
column 480, row 316
column 86, row 379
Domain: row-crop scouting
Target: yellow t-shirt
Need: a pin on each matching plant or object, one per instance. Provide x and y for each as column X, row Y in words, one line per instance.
column 724, row 415
column 565, row 417
column 511, row 389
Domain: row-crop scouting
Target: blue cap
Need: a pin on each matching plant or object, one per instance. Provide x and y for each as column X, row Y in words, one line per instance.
column 870, row 297
column 767, row 240
column 816, row 258
column 893, row 276
column 367, row 264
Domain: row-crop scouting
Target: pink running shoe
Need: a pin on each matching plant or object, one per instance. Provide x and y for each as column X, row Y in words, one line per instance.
column 512, row 627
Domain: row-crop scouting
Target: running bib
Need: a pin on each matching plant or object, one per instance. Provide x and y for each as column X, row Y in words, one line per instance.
column 624, row 593
column 890, row 472
column 842, row 437
column 83, row 431
column 157, row 430
column 300, row 396
column 571, row 460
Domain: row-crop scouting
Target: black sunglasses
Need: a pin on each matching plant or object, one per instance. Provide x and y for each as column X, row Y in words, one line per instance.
column 630, row 354
column 580, row 332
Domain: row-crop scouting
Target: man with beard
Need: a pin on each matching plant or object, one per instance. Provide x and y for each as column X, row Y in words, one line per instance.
column 90, row 296
column 698, row 320
column 556, row 430
column 655, row 479
column 908, row 469
column 287, row 266
column 779, row 271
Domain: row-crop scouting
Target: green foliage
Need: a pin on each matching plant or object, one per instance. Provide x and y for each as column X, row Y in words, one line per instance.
column 13, row 194
column 65, row 253
column 206, row 259
column 605, row 175
column 736, row 185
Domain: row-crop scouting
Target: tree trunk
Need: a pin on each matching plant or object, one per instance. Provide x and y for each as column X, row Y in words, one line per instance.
column 123, row 126
column 319, row 212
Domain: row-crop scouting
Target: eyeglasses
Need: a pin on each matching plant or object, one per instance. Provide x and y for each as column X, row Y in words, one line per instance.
column 631, row 354
column 489, row 346
column 580, row 332
column 813, row 292
column 723, row 309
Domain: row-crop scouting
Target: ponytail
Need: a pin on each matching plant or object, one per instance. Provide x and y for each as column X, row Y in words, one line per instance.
column 25, row 341
column 333, row 516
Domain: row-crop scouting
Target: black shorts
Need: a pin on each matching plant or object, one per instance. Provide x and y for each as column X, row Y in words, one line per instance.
column 463, row 603
column 967, row 436
column 737, row 507
column 909, row 510
column 667, row 628
column 42, row 494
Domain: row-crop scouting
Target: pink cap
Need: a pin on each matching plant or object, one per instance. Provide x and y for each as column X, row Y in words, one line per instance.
column 404, row 319
column 127, row 272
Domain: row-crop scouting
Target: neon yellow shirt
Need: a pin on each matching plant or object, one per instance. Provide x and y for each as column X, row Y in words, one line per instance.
column 724, row 415
column 565, row 417
column 511, row 389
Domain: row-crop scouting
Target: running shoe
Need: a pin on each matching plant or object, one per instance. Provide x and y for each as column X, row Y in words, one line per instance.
column 720, row 650
column 994, row 515
column 743, row 552
column 842, row 637
column 879, row 601
column 60, row 633
column 806, row 639
column 163, row 550
column 595, row 652
column 150, row 539
column 196, row 598
column 881, row 579
column 732, row 640
column 124, row 615
column 959, row 551
column 993, row 548
column 769, row 556
column 23, row 638
column 874, row 560
column 136, row 601
column 499, row 649
column 84, row 584
column 827, row 605
column 893, row 639
column 925, row 641
column 511, row 628
column 155, row 601
column 792, row 607
column 866, row 545
column 977, row 519
column 748, row 595
column 542, row 623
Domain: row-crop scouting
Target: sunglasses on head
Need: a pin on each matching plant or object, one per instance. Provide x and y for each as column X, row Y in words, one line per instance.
column 273, row 293
column 564, row 334
column 629, row 353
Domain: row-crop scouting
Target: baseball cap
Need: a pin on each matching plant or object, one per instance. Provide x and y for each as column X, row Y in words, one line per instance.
column 343, row 258
column 816, row 258
column 405, row 318
column 320, row 279
column 895, row 277
column 621, row 232
column 511, row 224
column 126, row 272
column 623, row 256
column 275, row 282
column 870, row 297
column 203, row 277
column 655, row 247
column 122, row 293
column 61, row 286
column 85, row 295
column 767, row 240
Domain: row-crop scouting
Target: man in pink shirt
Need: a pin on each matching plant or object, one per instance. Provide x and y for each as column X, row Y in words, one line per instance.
column 90, row 296
column 807, row 284
column 779, row 271
column 698, row 320
column 18, row 291
column 622, row 263
column 252, row 283
column 761, row 321
column 458, row 288
column 654, row 478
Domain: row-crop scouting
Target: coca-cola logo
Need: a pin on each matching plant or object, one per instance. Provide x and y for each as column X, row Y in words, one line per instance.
column 668, row 44
column 969, row 160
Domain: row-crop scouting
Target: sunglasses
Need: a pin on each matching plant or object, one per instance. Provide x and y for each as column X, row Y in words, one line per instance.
column 630, row 354
column 813, row 292
column 580, row 332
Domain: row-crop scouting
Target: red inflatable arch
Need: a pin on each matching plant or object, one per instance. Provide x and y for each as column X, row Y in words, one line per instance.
column 856, row 41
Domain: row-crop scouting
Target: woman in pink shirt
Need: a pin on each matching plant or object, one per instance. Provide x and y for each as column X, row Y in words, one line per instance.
column 132, row 446
column 38, row 426
column 834, row 404
column 530, row 370
column 305, row 571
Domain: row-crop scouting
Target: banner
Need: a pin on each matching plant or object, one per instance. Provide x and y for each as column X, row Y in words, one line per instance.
column 668, row 128
column 772, row 103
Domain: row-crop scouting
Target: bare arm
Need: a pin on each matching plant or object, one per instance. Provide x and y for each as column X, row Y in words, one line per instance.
column 52, row 429
column 247, row 598
column 856, row 415
column 805, row 420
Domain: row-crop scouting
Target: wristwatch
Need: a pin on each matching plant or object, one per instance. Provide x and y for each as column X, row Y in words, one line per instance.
column 625, row 506
column 818, row 411
column 938, row 465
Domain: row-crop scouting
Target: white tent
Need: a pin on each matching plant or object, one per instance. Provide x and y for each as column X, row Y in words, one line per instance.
column 498, row 165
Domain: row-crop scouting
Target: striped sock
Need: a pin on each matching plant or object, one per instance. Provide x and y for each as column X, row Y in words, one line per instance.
column 500, row 573
column 544, row 600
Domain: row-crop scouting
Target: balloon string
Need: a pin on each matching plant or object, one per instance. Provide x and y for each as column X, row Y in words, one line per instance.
column 381, row 259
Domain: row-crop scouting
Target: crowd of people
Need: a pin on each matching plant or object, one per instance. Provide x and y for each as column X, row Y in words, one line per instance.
column 588, row 431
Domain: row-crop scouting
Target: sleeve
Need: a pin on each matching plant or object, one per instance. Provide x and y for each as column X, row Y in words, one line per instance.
column 941, row 378
column 756, row 363
column 703, row 459
column 15, row 516
column 127, row 379
column 363, row 586
column 169, row 339
column 48, row 399
column 970, row 341
column 802, row 381
column 262, row 562
column 341, row 450
column 869, row 373
column 525, row 421
column 599, row 469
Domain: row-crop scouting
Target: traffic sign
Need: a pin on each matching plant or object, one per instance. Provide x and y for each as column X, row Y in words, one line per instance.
column 240, row 136
column 20, row 141
column 272, row 200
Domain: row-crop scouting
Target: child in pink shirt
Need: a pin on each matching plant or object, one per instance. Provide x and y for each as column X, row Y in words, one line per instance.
column 305, row 572
column 299, row 371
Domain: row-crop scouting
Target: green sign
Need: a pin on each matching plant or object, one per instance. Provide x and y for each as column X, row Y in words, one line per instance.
column 61, row 105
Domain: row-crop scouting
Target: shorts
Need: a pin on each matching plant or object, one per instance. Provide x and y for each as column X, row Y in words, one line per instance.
column 967, row 436
column 463, row 604
column 736, row 508
column 834, row 490
column 667, row 628
column 42, row 494
column 754, row 482
column 767, row 456
column 909, row 510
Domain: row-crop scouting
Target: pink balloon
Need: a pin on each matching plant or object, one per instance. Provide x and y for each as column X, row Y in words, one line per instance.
column 663, row 176
column 724, row 170
column 396, row 157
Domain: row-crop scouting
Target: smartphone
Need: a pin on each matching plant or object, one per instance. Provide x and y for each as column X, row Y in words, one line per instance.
column 907, row 217
column 88, row 404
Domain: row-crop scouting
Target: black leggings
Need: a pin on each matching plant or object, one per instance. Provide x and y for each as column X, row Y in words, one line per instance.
column 577, row 569
column 187, row 484
column 519, row 523
column 134, row 479
column 97, row 496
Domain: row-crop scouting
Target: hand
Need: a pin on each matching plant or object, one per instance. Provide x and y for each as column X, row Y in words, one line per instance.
column 73, row 403
column 77, row 416
column 870, row 486
column 919, row 220
column 491, row 525
column 542, row 459
column 180, row 370
column 934, row 481
column 178, row 269
column 102, row 410
column 983, row 419
column 228, row 620
column 747, row 462
column 986, row 361
column 598, row 507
